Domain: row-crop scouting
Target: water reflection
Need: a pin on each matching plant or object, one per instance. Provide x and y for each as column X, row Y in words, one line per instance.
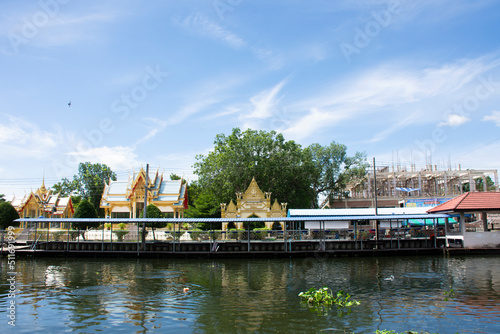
column 237, row 296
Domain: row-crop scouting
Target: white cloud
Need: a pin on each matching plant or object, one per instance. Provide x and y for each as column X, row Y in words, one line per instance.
column 494, row 117
column 392, row 87
column 40, row 27
column 315, row 120
column 117, row 157
column 455, row 120
column 190, row 109
column 394, row 128
column 229, row 110
column 178, row 163
column 202, row 25
column 158, row 126
column 262, row 106
column 20, row 138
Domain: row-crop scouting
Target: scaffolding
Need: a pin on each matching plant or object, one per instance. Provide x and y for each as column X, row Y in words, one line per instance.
column 428, row 182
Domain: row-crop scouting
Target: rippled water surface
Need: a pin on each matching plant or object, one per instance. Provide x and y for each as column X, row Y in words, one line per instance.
column 434, row 294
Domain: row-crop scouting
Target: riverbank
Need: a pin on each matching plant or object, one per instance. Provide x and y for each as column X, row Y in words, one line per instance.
column 253, row 249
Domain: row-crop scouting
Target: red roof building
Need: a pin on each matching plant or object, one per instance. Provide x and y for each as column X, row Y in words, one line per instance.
column 470, row 202
column 473, row 203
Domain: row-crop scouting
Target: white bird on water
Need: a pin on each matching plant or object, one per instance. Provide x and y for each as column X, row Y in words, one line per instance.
column 390, row 278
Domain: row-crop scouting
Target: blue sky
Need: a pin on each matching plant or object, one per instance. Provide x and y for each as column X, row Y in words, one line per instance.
column 155, row 81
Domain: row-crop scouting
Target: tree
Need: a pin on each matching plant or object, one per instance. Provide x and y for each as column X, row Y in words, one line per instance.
column 7, row 215
column 294, row 175
column 334, row 170
column 85, row 210
column 490, row 185
column 2, row 199
column 279, row 167
column 66, row 187
column 174, row 177
column 88, row 183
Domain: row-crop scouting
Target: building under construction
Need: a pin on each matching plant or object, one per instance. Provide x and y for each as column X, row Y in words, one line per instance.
column 399, row 186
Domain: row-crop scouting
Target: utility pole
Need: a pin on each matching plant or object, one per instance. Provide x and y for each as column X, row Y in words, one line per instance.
column 144, row 215
column 375, row 186
column 375, row 196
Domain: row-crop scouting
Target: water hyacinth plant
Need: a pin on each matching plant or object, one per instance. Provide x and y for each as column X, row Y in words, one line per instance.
column 325, row 297
column 449, row 294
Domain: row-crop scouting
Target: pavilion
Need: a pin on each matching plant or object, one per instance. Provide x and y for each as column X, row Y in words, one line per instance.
column 476, row 203
column 43, row 203
column 125, row 199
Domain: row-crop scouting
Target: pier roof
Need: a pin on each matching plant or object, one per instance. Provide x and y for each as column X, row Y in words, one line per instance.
column 225, row 220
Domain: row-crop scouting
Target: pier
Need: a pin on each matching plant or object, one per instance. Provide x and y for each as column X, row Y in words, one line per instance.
column 292, row 241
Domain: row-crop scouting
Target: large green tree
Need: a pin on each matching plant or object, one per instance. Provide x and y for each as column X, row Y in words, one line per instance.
column 294, row 175
column 334, row 169
column 66, row 187
column 7, row 215
column 88, row 183
column 279, row 166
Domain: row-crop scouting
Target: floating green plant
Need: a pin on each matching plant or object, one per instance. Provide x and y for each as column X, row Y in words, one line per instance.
column 324, row 296
column 450, row 294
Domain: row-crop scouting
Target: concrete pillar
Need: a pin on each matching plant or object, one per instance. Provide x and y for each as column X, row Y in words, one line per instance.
column 472, row 183
column 462, row 223
column 420, row 184
column 485, row 186
column 484, row 218
column 394, row 184
column 445, row 184
column 496, row 181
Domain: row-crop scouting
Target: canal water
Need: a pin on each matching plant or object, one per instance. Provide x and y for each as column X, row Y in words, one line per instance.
column 433, row 294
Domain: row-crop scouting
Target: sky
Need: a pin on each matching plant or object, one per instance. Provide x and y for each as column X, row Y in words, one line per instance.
column 129, row 83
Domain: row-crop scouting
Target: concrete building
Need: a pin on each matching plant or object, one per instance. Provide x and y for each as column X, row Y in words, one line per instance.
column 408, row 187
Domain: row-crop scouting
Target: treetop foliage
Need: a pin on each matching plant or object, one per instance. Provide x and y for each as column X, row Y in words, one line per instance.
column 85, row 210
column 7, row 215
column 294, row 175
column 88, row 183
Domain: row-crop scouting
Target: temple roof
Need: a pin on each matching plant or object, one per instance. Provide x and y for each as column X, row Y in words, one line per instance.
column 159, row 190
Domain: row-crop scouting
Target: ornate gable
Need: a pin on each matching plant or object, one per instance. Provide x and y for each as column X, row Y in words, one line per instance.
column 137, row 186
column 253, row 192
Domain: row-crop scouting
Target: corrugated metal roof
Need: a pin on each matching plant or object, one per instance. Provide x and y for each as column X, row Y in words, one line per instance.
column 356, row 211
column 227, row 220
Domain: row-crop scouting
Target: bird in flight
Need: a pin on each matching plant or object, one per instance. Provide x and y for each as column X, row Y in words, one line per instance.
column 69, row 104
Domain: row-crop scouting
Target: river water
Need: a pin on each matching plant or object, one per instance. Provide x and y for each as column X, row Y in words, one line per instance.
column 435, row 294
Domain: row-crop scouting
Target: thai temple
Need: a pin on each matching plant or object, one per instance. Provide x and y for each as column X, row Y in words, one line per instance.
column 125, row 199
column 44, row 203
column 251, row 204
